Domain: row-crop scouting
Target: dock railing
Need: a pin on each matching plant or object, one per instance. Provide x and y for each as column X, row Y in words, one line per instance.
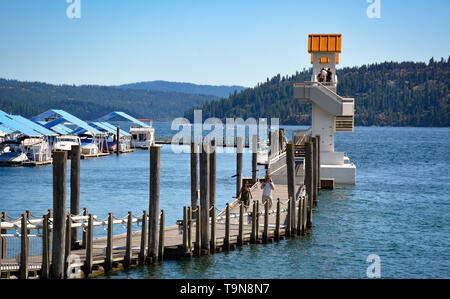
column 24, row 240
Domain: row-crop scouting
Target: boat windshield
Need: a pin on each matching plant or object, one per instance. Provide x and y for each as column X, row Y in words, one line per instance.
column 66, row 139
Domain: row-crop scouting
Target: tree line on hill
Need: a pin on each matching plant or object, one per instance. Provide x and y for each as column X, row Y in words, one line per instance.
column 90, row 102
column 386, row 94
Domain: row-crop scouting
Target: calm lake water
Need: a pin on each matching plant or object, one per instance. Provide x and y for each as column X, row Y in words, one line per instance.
column 399, row 209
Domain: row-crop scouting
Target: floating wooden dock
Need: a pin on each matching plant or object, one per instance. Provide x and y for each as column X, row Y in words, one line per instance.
column 37, row 164
column 93, row 156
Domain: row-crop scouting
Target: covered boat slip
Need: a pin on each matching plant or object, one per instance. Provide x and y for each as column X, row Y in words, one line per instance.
column 60, row 116
column 92, row 147
column 141, row 134
column 112, row 131
column 98, row 138
column 34, row 142
column 124, row 116
column 59, row 129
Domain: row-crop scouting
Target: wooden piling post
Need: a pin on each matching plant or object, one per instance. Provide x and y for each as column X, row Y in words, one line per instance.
column 309, row 181
column 277, row 221
column 109, row 243
column 24, row 249
column 155, row 172
column 299, row 216
column 315, row 173
column 45, row 248
column 118, row 141
column 290, row 159
column 266, row 222
column 305, row 215
column 161, row 235
column 288, row 219
column 239, row 162
column 190, row 228
column 68, row 247
column 198, row 232
column 128, row 250
column 255, row 159
column 204, row 198
column 59, row 217
column 194, row 175
column 185, row 230
column 257, row 221
column 213, row 229
column 318, row 162
column 75, row 189
column 28, row 213
column 3, row 241
column 241, row 225
column 212, row 176
column 84, row 230
column 89, row 246
column 227, row 227
column 253, row 235
column 50, row 236
column 143, row 251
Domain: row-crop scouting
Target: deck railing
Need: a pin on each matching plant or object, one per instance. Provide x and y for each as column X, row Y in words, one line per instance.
column 24, row 240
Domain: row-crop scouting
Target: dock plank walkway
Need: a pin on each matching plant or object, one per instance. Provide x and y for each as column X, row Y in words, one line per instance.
column 173, row 234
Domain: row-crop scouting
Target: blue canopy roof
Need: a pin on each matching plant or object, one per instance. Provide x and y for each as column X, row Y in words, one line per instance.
column 60, row 129
column 6, row 130
column 64, row 116
column 32, row 125
column 107, row 127
column 123, row 115
column 18, row 127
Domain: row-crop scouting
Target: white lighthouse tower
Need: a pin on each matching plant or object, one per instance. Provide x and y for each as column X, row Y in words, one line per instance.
column 331, row 113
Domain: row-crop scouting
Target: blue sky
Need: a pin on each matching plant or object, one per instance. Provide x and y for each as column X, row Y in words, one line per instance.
column 207, row 42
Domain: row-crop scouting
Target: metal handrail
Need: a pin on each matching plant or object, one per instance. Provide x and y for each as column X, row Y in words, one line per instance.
column 324, row 86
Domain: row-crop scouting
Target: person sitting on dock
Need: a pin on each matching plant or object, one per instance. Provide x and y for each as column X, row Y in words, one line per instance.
column 245, row 195
column 267, row 187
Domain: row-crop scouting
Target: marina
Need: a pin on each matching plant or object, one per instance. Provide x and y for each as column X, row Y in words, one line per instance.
column 293, row 165
column 288, row 172
column 30, row 143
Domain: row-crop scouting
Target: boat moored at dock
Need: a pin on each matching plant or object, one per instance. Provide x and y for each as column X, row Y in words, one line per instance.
column 142, row 137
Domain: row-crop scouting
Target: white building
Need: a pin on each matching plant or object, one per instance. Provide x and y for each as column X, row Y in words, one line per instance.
column 331, row 113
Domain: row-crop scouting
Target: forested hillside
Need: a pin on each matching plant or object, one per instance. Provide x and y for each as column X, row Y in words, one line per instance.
column 90, row 102
column 218, row 91
column 386, row 94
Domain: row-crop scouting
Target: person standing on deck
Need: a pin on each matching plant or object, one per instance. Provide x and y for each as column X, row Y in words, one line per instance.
column 324, row 74
column 329, row 74
column 267, row 187
column 245, row 195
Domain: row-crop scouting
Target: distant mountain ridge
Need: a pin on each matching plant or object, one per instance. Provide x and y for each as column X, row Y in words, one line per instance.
column 90, row 102
column 221, row 91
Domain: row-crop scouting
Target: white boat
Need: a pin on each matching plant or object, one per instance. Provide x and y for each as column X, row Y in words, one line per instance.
column 12, row 153
column 65, row 142
column 88, row 145
column 142, row 137
column 37, row 149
